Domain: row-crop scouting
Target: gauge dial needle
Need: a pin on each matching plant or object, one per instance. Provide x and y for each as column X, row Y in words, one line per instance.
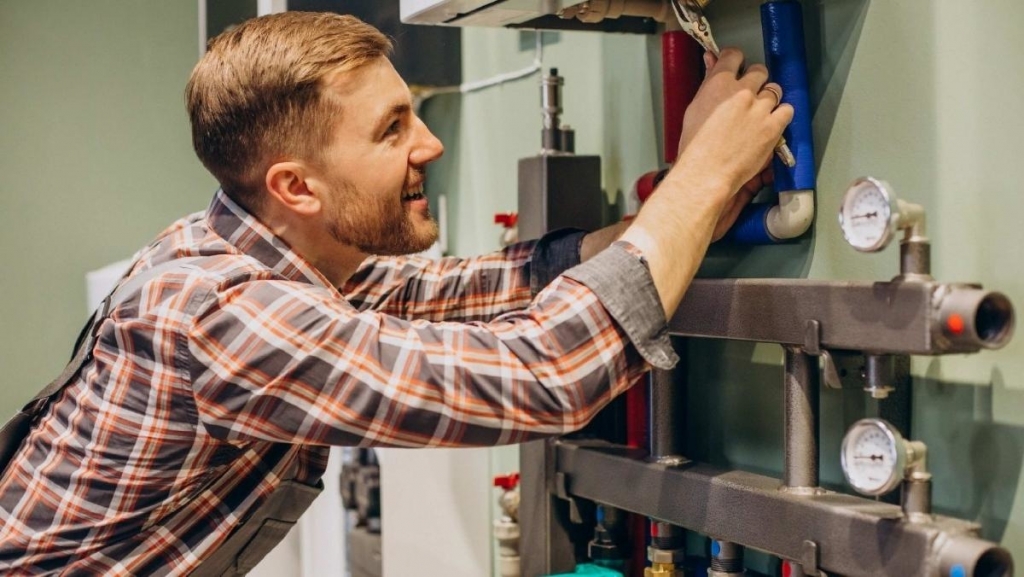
column 867, row 215
column 869, row 457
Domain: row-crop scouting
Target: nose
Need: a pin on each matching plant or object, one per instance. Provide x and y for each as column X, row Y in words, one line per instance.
column 428, row 148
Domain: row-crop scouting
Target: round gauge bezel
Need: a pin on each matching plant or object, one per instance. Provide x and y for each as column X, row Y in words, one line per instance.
column 897, row 444
column 890, row 226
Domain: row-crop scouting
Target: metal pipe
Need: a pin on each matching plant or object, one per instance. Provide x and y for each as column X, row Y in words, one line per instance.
column 916, row 499
column 976, row 318
column 665, row 415
column 915, row 259
column 879, row 375
column 666, row 394
column 665, row 536
column 863, row 537
column 726, row 559
column 917, row 318
column 551, row 107
column 916, row 490
column 604, row 550
column 801, row 391
column 970, row 557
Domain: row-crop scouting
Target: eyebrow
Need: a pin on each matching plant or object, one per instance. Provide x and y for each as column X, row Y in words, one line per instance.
column 395, row 110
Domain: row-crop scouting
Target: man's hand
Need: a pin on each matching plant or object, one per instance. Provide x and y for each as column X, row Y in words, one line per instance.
column 693, row 120
column 705, row 102
column 731, row 128
column 737, row 203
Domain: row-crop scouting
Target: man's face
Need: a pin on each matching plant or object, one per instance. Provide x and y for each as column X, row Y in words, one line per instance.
column 375, row 166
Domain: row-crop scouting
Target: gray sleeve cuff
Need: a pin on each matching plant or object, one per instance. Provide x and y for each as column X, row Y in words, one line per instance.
column 555, row 253
column 623, row 283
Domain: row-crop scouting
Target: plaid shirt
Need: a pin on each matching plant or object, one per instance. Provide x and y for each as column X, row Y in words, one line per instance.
column 217, row 377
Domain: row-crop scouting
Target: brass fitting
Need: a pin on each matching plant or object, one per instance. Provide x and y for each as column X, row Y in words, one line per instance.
column 662, row 570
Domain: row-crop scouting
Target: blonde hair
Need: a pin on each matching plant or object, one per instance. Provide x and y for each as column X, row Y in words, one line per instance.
column 257, row 93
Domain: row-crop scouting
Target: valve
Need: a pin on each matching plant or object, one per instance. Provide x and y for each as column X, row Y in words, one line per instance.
column 510, row 232
column 506, row 529
column 507, row 482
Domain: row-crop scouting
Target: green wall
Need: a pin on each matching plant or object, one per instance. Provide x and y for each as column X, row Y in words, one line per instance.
column 923, row 93
column 96, row 159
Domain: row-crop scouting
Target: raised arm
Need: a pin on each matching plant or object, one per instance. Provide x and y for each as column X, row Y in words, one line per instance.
column 734, row 124
column 463, row 289
column 289, row 362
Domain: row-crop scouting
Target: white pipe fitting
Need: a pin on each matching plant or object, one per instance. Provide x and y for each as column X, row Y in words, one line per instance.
column 792, row 216
column 506, row 533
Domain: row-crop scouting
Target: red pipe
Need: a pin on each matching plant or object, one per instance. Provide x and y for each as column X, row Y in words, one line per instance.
column 682, row 68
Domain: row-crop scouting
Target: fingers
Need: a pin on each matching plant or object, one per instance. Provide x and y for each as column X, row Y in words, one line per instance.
column 754, row 77
column 729, row 62
column 760, row 180
column 770, row 95
column 782, row 115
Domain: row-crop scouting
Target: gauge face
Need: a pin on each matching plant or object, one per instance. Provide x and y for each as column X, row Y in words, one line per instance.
column 866, row 215
column 873, row 457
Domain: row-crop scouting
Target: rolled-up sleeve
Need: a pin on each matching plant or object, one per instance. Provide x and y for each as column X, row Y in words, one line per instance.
column 621, row 279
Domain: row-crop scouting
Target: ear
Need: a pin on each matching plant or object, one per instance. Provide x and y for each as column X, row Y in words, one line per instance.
column 289, row 184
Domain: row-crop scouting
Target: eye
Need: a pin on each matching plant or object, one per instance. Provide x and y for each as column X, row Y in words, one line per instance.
column 393, row 128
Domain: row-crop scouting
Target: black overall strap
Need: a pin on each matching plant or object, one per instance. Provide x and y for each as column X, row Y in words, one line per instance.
column 16, row 429
column 260, row 532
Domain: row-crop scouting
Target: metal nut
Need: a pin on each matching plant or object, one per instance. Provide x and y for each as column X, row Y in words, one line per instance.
column 666, row 556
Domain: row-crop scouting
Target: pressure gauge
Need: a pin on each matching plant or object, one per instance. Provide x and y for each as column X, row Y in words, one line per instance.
column 869, row 215
column 874, row 457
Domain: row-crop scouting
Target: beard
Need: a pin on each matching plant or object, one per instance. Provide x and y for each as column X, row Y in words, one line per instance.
column 378, row 224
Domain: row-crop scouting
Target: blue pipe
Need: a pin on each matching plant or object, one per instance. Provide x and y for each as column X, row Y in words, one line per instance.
column 783, row 30
column 782, row 23
column 752, row 226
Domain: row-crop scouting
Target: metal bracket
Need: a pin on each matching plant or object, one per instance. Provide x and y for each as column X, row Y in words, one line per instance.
column 812, row 346
column 809, row 558
column 812, row 338
column 562, row 492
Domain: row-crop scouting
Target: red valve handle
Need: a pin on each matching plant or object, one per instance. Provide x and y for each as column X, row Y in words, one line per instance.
column 506, row 219
column 507, row 482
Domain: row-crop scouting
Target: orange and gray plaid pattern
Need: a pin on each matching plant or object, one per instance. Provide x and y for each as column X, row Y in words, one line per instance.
column 218, row 375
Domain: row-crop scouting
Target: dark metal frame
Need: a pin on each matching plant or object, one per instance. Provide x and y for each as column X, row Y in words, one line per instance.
column 792, row 518
column 900, row 317
column 838, row 533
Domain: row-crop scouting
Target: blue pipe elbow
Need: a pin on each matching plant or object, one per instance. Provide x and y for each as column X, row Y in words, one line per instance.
column 752, row 226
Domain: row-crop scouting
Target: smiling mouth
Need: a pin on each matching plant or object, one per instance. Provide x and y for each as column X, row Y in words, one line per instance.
column 413, row 194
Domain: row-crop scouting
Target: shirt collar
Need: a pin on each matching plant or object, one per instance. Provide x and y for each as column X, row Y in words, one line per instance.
column 250, row 236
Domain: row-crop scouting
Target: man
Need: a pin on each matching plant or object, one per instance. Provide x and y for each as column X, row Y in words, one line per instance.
column 198, row 429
